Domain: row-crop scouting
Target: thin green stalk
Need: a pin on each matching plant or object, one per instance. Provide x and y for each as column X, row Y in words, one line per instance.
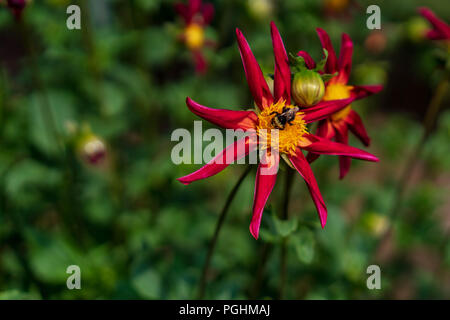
column 259, row 275
column 97, row 75
column 16, row 239
column 89, row 43
column 69, row 217
column 285, row 216
column 220, row 221
column 430, row 118
column 46, row 111
column 2, row 99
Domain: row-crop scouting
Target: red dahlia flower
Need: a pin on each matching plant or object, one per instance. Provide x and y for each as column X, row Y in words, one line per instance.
column 196, row 16
column 17, row 7
column 292, row 139
column 336, row 126
column 440, row 31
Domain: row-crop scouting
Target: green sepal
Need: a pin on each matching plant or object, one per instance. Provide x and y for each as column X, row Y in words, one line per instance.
column 321, row 64
column 284, row 228
column 297, row 63
column 278, row 229
column 327, row 76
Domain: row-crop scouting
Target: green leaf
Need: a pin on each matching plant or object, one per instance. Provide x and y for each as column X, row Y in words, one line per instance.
column 50, row 257
column 114, row 100
column 157, row 46
column 24, row 179
column 18, row 295
column 268, row 236
column 304, row 242
column 48, row 114
column 285, row 227
column 147, row 283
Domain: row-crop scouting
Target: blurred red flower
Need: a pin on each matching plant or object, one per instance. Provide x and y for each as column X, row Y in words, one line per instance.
column 196, row 16
column 336, row 126
column 17, row 7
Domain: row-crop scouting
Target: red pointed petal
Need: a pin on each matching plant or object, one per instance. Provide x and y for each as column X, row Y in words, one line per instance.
column 282, row 81
column 324, row 130
column 228, row 119
column 233, row 152
column 310, row 63
column 359, row 92
column 263, row 187
column 305, row 171
column 194, row 6
column 435, row 35
column 331, row 65
column 188, row 11
column 323, row 146
column 345, row 59
column 255, row 78
column 441, row 29
column 356, row 126
column 344, row 166
column 324, row 109
column 344, row 162
column 183, row 11
column 311, row 157
column 200, row 62
column 208, row 13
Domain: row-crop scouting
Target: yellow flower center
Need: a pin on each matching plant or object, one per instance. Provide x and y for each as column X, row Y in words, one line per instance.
column 194, row 36
column 336, row 91
column 283, row 140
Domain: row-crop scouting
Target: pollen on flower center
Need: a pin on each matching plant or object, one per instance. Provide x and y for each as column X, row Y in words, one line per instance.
column 288, row 138
column 335, row 91
column 194, row 36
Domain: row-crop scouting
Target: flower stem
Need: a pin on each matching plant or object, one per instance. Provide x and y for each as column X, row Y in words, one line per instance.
column 39, row 84
column 68, row 216
column 430, row 118
column 285, row 216
column 220, row 221
column 259, row 275
column 92, row 55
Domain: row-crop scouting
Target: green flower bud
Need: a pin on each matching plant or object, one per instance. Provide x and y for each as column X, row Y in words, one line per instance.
column 416, row 29
column 308, row 88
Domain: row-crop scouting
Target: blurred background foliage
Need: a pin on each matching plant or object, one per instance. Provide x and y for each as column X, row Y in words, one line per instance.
column 86, row 177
